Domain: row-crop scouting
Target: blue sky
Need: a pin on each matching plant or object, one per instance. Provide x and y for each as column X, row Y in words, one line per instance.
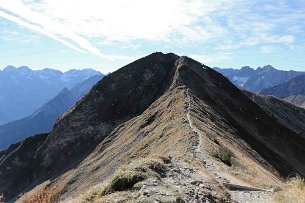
column 106, row 35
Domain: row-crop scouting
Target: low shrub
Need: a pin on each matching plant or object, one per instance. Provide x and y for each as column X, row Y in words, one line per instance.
column 135, row 172
column 224, row 155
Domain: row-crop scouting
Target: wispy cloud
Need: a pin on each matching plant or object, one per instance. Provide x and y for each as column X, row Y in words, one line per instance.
column 266, row 49
column 20, row 37
column 73, row 22
column 24, row 14
column 224, row 24
column 37, row 29
column 212, row 58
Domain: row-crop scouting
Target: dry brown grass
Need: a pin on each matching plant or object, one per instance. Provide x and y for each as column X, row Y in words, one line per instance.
column 127, row 177
column 168, row 136
column 242, row 168
column 44, row 196
column 139, row 170
column 294, row 191
column 41, row 193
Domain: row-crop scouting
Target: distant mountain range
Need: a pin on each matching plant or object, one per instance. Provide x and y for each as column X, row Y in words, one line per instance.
column 22, row 90
column 292, row 91
column 43, row 119
column 256, row 80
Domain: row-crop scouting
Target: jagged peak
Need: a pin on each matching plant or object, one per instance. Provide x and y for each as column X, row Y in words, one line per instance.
column 246, row 68
column 24, row 68
column 268, row 67
column 9, row 68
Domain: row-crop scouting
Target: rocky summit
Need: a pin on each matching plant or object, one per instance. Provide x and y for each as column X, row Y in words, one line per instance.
column 164, row 128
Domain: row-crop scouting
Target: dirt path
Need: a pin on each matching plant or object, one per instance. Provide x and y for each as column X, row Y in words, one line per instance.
column 240, row 192
column 182, row 182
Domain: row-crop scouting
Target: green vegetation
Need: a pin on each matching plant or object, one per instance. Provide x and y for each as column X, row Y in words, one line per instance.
column 92, row 196
column 128, row 176
column 224, row 155
column 215, row 140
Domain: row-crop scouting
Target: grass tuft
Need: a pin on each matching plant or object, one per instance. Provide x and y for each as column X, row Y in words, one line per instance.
column 224, row 155
column 300, row 183
column 128, row 176
column 294, row 191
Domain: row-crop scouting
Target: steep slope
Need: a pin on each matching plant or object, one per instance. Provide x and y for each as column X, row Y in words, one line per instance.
column 43, row 119
column 290, row 115
column 170, row 107
column 292, row 91
column 259, row 79
column 166, row 128
column 17, row 162
column 117, row 98
column 22, row 90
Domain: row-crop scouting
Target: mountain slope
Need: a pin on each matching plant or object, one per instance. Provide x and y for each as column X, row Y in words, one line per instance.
column 163, row 106
column 115, row 99
column 42, row 120
column 22, row 90
column 290, row 115
column 292, row 91
column 259, row 79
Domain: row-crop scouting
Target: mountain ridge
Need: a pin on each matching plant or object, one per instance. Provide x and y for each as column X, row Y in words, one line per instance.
column 161, row 105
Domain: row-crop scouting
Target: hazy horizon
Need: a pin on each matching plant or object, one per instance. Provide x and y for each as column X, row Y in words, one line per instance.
column 77, row 34
column 65, row 69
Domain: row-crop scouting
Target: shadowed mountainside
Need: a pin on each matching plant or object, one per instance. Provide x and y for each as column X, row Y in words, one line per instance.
column 292, row 91
column 290, row 115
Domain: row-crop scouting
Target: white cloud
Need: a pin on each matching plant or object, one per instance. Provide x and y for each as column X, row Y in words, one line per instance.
column 75, row 21
column 227, row 24
column 11, row 35
column 268, row 39
column 119, row 20
column 266, row 49
column 212, row 58
column 263, row 38
column 37, row 29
